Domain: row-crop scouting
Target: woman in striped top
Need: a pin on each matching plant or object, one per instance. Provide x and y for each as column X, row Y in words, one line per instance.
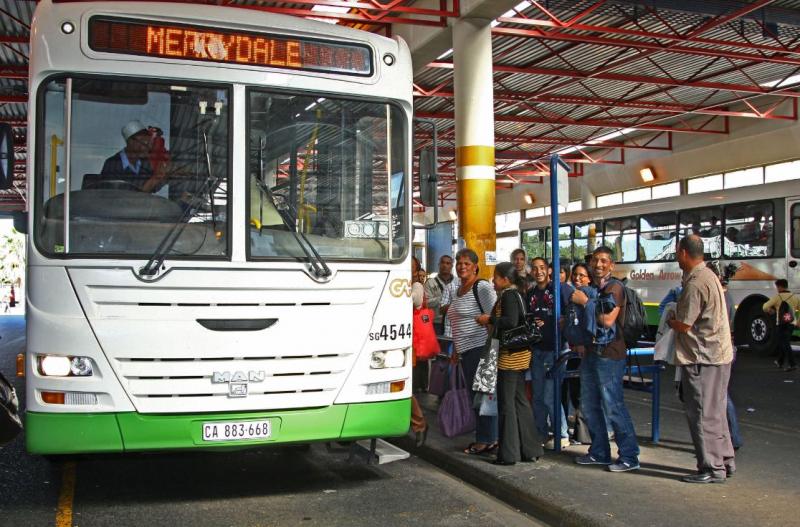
column 519, row 439
column 468, row 306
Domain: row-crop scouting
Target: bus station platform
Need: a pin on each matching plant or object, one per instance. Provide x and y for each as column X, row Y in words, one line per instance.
column 559, row 492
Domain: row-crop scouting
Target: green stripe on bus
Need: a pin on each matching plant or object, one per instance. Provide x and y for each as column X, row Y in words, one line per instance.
column 67, row 433
column 651, row 312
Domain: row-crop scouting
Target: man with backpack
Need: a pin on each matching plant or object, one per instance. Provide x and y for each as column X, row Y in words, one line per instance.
column 602, row 368
column 785, row 306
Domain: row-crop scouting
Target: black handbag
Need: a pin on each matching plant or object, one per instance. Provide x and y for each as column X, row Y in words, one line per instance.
column 522, row 337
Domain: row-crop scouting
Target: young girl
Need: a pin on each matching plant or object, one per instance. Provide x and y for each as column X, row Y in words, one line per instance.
column 519, row 439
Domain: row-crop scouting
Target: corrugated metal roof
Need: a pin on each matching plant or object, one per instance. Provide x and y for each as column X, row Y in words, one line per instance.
column 583, row 81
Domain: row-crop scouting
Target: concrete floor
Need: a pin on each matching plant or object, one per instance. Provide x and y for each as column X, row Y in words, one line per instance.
column 261, row 487
column 294, row 486
column 557, row 491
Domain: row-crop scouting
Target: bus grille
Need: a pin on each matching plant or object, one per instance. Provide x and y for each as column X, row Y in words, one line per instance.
column 205, row 384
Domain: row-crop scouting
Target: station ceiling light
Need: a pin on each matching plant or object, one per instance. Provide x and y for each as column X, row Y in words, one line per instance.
column 530, row 199
column 453, row 215
column 647, row 174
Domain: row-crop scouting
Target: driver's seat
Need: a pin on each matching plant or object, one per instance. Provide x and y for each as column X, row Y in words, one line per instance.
column 90, row 181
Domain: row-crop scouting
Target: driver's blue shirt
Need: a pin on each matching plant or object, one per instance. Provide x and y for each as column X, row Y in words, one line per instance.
column 118, row 167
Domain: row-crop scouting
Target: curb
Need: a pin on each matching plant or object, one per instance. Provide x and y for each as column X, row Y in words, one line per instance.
column 538, row 507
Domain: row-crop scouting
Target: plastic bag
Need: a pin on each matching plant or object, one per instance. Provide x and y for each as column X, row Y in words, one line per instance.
column 665, row 347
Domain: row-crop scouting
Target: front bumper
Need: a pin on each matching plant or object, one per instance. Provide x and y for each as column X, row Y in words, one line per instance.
column 71, row 433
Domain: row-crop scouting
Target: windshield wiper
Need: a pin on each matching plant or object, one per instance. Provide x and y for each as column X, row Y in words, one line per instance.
column 318, row 265
column 153, row 265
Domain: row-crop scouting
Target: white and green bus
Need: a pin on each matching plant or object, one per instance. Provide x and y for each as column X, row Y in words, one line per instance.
column 753, row 233
column 220, row 229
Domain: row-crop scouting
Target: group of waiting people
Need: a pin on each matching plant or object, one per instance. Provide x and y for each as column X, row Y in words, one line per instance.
column 470, row 309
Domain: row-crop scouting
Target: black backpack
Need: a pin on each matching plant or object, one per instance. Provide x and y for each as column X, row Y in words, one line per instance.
column 635, row 321
column 785, row 313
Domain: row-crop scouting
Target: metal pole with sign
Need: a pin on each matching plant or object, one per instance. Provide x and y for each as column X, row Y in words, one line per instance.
column 559, row 197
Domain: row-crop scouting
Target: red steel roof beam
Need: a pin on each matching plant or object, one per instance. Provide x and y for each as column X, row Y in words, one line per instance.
column 639, row 44
column 531, row 97
column 707, row 26
column 576, row 76
column 597, row 123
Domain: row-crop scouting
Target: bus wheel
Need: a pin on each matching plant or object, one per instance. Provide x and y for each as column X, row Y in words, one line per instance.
column 760, row 331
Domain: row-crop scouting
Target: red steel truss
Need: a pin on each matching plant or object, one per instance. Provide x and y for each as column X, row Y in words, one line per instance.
column 633, row 85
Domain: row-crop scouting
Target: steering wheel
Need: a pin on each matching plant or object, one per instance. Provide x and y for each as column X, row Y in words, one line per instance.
column 112, row 184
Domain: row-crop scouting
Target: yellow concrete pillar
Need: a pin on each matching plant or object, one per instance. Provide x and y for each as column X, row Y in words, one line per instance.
column 474, row 116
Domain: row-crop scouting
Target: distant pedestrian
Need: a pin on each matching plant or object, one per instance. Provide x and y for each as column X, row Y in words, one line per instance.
column 472, row 303
column 418, row 423
column 703, row 352
column 519, row 440
column 435, row 289
column 520, row 261
column 418, row 274
column 785, row 328
column 602, row 368
column 421, row 370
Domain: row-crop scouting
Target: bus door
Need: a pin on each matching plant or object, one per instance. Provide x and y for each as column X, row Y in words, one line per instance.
column 793, row 254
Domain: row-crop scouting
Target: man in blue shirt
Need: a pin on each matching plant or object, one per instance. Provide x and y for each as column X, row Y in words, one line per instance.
column 131, row 165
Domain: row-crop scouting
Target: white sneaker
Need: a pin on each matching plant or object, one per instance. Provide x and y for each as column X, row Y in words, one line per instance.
column 551, row 445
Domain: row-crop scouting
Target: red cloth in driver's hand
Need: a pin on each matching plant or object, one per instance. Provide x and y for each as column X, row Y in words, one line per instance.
column 159, row 156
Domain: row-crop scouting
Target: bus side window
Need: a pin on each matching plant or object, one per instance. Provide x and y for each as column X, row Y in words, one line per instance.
column 706, row 223
column 620, row 236
column 585, row 241
column 533, row 243
column 754, row 222
column 657, row 236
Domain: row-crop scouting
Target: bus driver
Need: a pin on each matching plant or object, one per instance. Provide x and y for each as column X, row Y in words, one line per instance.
column 142, row 163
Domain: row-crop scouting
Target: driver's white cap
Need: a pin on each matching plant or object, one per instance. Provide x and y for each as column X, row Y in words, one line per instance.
column 132, row 128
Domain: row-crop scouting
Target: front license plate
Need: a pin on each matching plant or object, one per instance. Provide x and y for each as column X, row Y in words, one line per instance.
column 236, row 430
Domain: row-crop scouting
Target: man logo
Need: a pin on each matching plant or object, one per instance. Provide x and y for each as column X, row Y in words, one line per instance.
column 400, row 287
column 238, row 381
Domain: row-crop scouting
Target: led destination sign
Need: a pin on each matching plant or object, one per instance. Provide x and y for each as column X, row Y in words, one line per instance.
column 230, row 47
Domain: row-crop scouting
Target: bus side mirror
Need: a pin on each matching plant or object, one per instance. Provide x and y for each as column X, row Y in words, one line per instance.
column 20, row 222
column 428, row 178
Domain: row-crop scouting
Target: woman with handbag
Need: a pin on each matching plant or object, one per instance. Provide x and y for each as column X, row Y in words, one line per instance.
column 519, row 439
column 468, row 306
column 418, row 423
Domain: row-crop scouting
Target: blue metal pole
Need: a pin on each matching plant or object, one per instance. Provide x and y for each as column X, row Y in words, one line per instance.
column 554, row 162
column 656, row 415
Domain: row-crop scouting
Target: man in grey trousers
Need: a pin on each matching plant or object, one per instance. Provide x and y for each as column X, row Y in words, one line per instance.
column 704, row 352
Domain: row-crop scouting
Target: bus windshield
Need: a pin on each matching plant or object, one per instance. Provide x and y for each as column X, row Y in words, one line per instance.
column 330, row 168
column 129, row 159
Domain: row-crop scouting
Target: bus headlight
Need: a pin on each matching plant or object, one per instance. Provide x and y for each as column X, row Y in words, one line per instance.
column 63, row 366
column 80, row 366
column 388, row 359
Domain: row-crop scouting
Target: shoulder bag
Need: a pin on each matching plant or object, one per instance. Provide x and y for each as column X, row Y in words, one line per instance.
column 522, row 337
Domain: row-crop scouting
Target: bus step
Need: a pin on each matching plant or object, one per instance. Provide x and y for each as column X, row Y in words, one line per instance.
column 383, row 452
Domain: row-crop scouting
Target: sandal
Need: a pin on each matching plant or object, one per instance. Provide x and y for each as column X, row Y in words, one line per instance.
column 473, row 449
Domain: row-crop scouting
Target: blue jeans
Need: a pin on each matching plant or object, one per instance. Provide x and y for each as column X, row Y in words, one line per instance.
column 543, row 394
column 601, row 392
column 733, row 424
